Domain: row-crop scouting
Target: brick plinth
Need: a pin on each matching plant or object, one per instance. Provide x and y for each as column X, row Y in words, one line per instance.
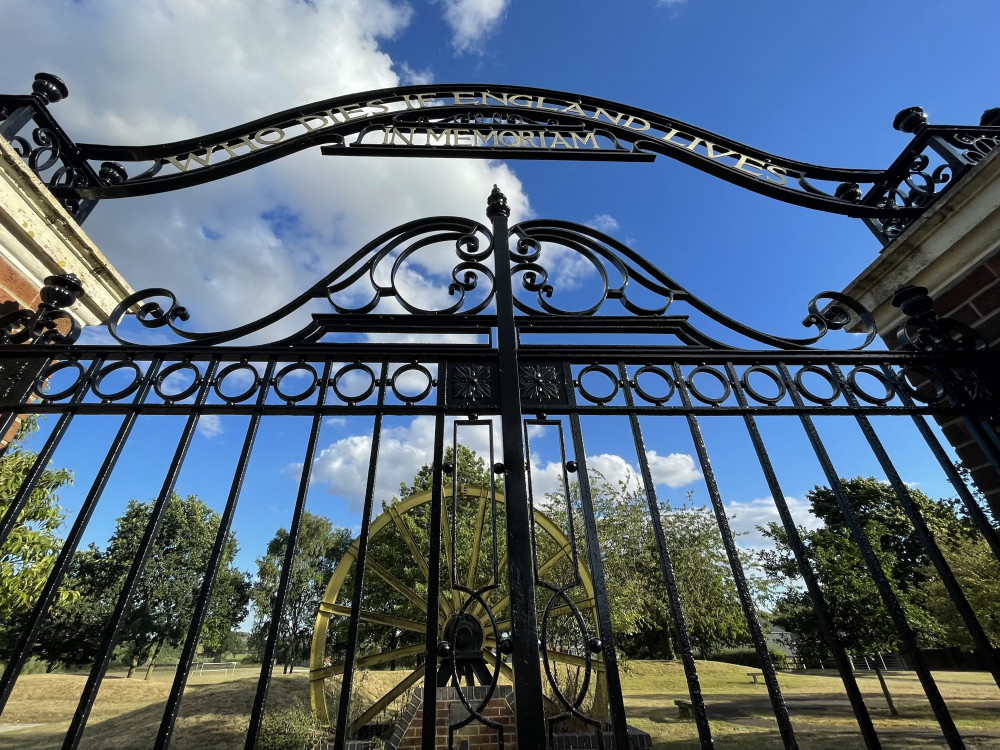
column 408, row 733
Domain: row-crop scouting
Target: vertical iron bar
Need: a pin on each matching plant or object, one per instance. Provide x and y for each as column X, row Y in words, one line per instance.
column 428, row 732
column 264, row 681
column 840, row 656
column 979, row 636
column 173, row 705
column 667, row 568
column 749, row 608
column 971, row 506
column 892, row 605
column 619, row 726
column 347, row 678
column 527, row 668
column 23, row 650
column 45, row 454
column 111, row 631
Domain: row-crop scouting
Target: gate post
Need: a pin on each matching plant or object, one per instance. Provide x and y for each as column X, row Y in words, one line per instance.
column 520, row 556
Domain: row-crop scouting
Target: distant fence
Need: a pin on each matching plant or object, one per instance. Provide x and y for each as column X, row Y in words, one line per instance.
column 214, row 666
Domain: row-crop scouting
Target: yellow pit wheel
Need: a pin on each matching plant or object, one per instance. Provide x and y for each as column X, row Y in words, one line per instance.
column 473, row 604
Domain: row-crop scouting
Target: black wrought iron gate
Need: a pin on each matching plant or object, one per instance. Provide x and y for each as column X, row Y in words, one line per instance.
column 499, row 354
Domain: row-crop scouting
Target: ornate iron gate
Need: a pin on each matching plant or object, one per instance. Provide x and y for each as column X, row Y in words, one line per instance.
column 502, row 355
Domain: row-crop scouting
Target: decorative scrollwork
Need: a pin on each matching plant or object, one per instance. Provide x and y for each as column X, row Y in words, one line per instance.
column 50, row 323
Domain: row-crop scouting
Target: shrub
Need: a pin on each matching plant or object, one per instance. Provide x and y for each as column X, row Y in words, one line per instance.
column 292, row 728
column 748, row 658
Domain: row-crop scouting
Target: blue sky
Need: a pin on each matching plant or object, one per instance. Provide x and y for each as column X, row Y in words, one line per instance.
column 817, row 82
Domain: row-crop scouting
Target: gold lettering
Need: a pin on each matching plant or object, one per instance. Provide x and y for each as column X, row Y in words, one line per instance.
column 403, row 138
column 461, row 96
column 613, row 120
column 352, row 112
column 438, row 139
column 377, row 105
column 744, row 166
column 633, row 118
column 528, row 139
column 260, row 136
column 203, row 160
column 502, row 99
column 490, row 135
column 691, row 146
column 589, row 138
column 304, row 122
column 409, row 103
column 539, row 104
column 504, row 135
column 558, row 140
column 387, row 135
column 463, row 134
column 574, row 108
column 426, row 100
column 669, row 137
column 710, row 147
column 243, row 140
column 526, row 103
column 778, row 172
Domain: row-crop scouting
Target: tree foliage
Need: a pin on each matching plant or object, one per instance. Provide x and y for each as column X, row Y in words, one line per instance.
column 318, row 548
column 858, row 611
column 27, row 558
column 165, row 595
column 637, row 596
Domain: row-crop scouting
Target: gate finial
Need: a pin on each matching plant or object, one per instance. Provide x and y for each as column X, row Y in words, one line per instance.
column 496, row 204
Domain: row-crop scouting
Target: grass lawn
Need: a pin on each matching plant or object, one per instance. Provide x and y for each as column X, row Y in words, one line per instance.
column 216, row 707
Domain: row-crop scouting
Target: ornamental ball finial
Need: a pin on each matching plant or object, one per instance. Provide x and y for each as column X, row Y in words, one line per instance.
column 910, row 119
column 496, row 204
column 113, row 173
column 49, row 88
column 912, row 300
column 61, row 291
column 990, row 117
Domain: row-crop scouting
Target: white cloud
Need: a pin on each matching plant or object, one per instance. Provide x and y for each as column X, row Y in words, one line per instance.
column 471, row 21
column 761, row 511
column 603, row 223
column 210, row 425
column 343, row 465
column 236, row 249
column 673, row 470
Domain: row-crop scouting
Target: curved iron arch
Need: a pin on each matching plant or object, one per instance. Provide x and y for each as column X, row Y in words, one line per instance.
column 347, row 125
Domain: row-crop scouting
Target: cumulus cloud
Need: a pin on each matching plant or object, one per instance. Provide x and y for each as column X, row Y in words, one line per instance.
column 342, row 466
column 238, row 248
column 761, row 511
column 472, row 20
column 673, row 470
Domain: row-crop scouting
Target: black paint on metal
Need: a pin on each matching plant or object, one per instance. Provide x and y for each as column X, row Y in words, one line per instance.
column 736, row 567
column 110, row 636
column 836, row 646
column 264, row 681
column 173, row 705
column 509, row 373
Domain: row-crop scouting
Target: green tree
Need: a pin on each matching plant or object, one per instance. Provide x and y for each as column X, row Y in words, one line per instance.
column 319, row 547
column 169, row 585
column 856, row 607
column 636, row 591
column 27, row 558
